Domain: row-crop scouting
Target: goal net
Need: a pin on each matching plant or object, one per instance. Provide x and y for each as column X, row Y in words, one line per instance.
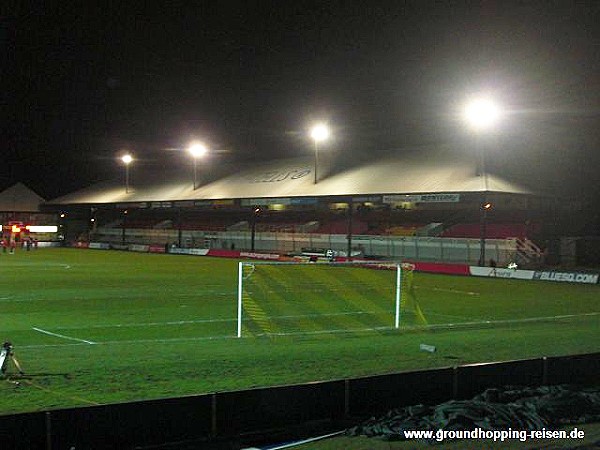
column 295, row 298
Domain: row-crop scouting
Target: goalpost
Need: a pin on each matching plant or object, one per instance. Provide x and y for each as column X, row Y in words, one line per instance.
column 286, row 298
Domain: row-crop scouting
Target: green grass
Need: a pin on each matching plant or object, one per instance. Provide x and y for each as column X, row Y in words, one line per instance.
column 164, row 325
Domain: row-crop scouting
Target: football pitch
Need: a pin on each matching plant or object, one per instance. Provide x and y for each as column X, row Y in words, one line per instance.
column 93, row 327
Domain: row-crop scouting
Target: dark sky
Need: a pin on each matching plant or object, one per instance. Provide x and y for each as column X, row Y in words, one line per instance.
column 82, row 83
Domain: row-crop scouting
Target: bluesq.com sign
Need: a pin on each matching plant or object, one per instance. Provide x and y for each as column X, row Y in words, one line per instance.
column 568, row 277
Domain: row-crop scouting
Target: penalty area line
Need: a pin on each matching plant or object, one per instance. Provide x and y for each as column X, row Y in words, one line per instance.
column 50, row 333
column 442, row 326
column 208, row 321
column 132, row 341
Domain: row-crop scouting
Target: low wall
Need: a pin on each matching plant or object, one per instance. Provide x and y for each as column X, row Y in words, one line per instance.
column 248, row 416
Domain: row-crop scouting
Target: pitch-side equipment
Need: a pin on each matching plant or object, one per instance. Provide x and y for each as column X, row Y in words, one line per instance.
column 7, row 353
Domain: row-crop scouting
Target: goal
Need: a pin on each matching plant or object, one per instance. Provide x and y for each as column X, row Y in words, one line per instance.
column 301, row 298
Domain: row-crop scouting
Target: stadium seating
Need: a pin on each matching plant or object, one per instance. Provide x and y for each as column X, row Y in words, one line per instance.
column 365, row 221
column 405, row 230
column 493, row 230
column 341, row 227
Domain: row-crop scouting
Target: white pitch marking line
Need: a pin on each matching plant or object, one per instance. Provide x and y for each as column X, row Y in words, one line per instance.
column 502, row 321
column 448, row 315
column 333, row 331
column 201, row 321
column 304, row 441
column 136, row 341
column 39, row 330
column 451, row 291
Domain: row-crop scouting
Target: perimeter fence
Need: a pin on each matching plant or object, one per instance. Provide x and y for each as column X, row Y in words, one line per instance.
column 242, row 418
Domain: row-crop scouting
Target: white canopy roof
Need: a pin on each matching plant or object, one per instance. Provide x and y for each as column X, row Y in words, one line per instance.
column 418, row 173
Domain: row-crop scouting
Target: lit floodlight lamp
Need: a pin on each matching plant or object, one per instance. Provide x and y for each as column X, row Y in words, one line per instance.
column 197, row 150
column 318, row 133
column 127, row 160
column 482, row 113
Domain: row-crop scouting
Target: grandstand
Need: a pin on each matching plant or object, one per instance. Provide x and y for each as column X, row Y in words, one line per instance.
column 421, row 205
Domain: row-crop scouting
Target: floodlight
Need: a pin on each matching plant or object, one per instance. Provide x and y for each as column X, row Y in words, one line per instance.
column 319, row 132
column 481, row 113
column 197, row 150
column 127, row 159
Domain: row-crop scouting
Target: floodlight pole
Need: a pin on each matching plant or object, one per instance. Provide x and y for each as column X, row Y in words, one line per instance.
column 195, row 173
column 483, row 209
column 255, row 212
column 350, row 208
column 316, row 159
column 482, row 113
column 179, row 226
column 124, row 227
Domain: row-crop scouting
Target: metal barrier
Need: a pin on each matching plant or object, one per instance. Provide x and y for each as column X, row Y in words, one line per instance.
column 457, row 250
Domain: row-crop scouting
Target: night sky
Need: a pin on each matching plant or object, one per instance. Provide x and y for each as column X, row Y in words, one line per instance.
column 83, row 83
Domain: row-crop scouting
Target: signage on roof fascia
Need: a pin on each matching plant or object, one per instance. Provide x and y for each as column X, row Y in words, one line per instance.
column 422, row 198
column 184, row 204
column 266, row 201
column 304, row 201
column 139, row 205
column 212, row 203
column 154, row 205
column 367, row 198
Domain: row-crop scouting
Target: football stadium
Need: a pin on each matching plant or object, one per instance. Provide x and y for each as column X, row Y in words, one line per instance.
column 263, row 302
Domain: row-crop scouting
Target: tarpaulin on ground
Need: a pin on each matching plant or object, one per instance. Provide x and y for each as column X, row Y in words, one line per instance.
column 495, row 409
